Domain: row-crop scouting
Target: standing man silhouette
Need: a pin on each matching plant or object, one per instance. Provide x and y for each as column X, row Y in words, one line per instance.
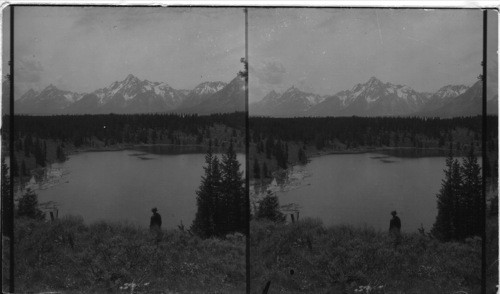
column 155, row 224
column 395, row 228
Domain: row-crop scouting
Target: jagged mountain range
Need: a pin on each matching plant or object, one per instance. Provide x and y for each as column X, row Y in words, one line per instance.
column 133, row 95
column 375, row 98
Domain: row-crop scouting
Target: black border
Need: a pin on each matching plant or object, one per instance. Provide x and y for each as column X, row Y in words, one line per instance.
column 166, row 5
column 247, row 169
column 247, row 160
column 11, row 150
column 484, row 152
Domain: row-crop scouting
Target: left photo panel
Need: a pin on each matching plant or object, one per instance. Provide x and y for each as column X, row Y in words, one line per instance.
column 125, row 151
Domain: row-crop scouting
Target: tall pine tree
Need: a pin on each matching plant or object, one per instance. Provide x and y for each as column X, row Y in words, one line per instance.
column 28, row 206
column 256, row 169
column 221, row 199
column 269, row 208
column 444, row 228
column 204, row 224
column 302, row 156
column 265, row 170
column 233, row 193
column 459, row 200
column 7, row 204
column 471, row 195
column 217, row 207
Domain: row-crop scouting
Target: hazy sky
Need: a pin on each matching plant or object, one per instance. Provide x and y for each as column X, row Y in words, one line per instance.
column 328, row 50
column 318, row 50
column 82, row 49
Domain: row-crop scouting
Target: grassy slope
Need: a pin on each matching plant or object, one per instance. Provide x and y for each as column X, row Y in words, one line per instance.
column 492, row 254
column 106, row 256
column 492, row 257
column 339, row 259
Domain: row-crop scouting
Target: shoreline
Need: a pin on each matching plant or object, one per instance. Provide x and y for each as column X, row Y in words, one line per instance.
column 124, row 147
column 20, row 185
column 351, row 151
column 375, row 149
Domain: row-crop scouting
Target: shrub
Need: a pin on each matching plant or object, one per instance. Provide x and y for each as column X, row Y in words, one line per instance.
column 28, row 206
column 269, row 209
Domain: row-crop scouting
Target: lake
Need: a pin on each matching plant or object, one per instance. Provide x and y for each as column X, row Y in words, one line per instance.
column 125, row 185
column 362, row 189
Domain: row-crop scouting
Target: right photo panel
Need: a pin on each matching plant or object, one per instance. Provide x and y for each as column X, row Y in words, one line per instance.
column 366, row 168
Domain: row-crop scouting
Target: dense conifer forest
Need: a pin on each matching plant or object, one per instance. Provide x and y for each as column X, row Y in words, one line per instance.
column 113, row 128
column 275, row 143
column 369, row 131
column 39, row 140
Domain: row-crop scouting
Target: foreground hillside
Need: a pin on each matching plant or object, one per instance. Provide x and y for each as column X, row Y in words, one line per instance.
column 68, row 255
column 307, row 257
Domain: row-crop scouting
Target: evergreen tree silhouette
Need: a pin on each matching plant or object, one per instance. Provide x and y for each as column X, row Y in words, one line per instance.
column 444, row 227
column 265, row 170
column 15, row 168
column 28, row 206
column 302, row 156
column 459, row 200
column 24, row 170
column 269, row 209
column 221, row 199
column 471, row 194
column 233, row 193
column 6, row 200
column 204, row 224
column 217, row 206
column 256, row 169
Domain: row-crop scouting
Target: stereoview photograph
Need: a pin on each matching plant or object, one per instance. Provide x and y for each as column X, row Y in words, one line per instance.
column 129, row 150
column 368, row 139
column 365, row 150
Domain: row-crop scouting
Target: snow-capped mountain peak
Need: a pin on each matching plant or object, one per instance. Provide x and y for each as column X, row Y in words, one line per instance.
column 29, row 95
column 291, row 101
column 271, row 96
column 133, row 95
column 451, row 91
column 131, row 79
column 51, row 92
column 208, row 88
column 374, row 82
column 372, row 98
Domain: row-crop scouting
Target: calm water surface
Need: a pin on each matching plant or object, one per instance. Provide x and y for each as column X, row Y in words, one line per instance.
column 362, row 189
column 125, row 185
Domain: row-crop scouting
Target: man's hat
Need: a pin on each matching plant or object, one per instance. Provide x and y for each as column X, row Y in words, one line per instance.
column 154, row 209
column 394, row 212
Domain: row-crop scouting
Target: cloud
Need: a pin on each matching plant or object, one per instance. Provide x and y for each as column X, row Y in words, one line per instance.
column 330, row 50
column 492, row 77
column 28, row 70
column 267, row 75
column 84, row 48
column 28, row 75
column 304, row 85
column 269, row 72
